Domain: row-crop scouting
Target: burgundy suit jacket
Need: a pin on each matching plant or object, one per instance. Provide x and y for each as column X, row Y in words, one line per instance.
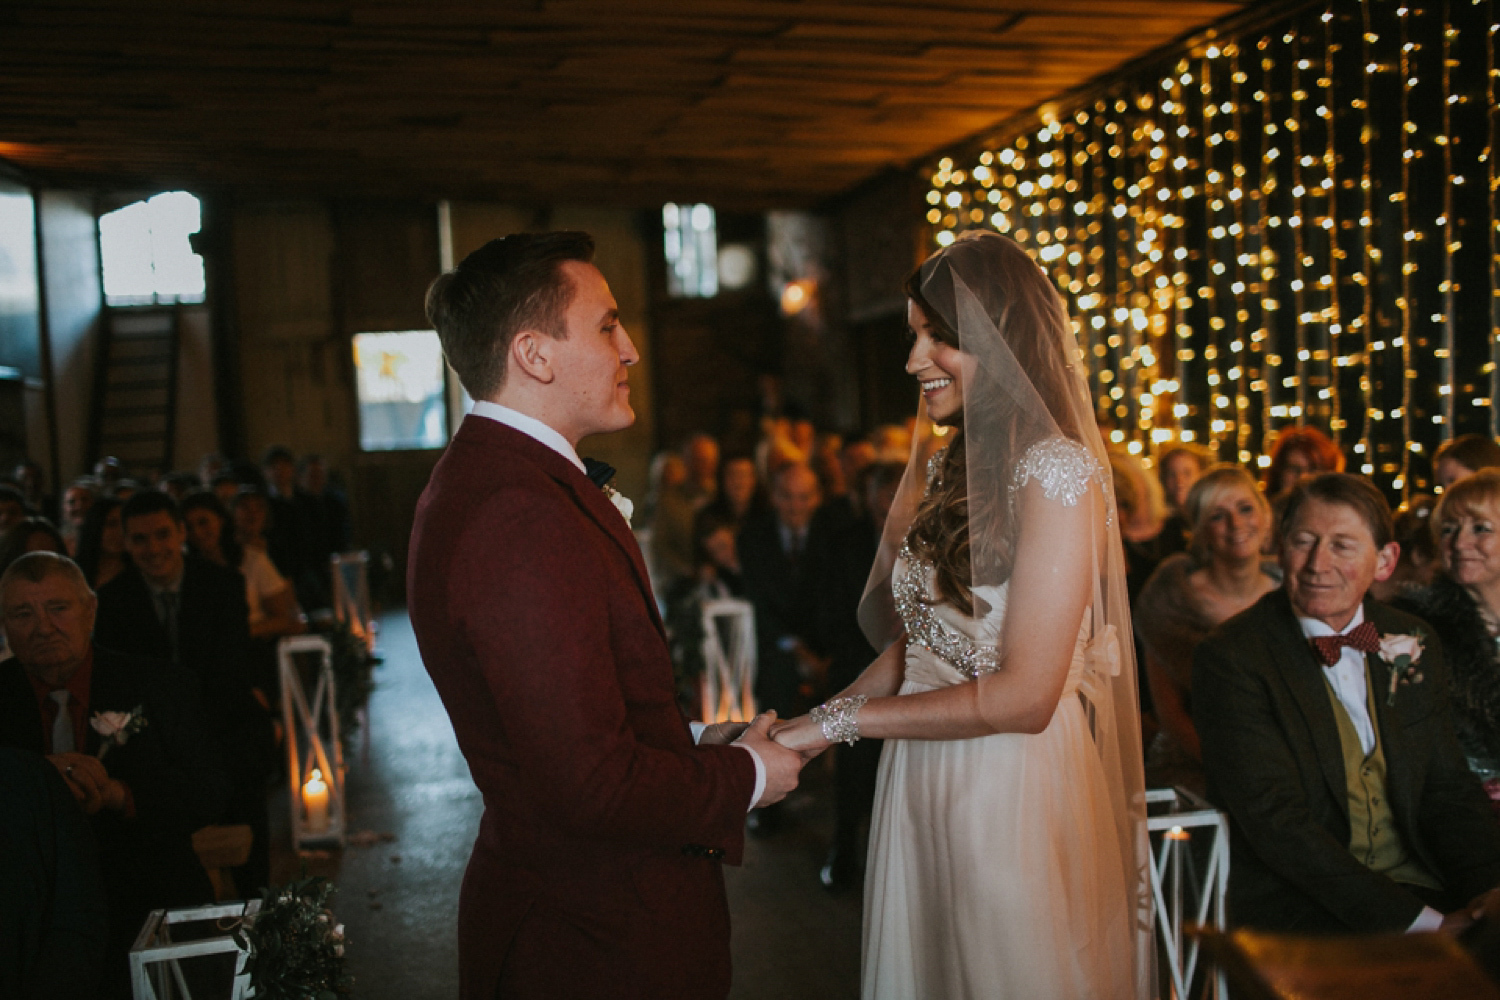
column 596, row 870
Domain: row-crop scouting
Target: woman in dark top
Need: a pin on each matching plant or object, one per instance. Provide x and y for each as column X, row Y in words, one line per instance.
column 101, row 542
column 1220, row 575
column 1463, row 606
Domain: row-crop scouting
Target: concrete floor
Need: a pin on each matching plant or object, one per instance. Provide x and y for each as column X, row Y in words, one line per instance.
column 398, row 898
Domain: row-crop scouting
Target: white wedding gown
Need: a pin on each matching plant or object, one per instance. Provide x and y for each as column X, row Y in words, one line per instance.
column 995, row 868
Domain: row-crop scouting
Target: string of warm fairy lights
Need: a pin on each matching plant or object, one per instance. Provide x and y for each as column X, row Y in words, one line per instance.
column 1332, row 226
column 1409, row 235
column 1446, row 318
column 1492, row 179
column 1369, row 255
column 1216, row 226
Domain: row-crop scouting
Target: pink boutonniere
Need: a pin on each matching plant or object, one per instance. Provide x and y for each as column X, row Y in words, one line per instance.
column 1402, row 653
column 117, row 727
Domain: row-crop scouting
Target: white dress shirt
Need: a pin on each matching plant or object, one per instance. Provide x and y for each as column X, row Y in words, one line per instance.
column 535, row 429
column 1349, row 681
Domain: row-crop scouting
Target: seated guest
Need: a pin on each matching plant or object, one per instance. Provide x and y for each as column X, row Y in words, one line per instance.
column 146, row 795
column 192, row 613
column 1299, row 452
column 53, row 921
column 33, row 534
column 739, row 495
column 1463, row 606
column 1177, row 469
column 224, row 486
column 13, row 509
column 101, row 542
column 672, row 525
column 782, row 555
column 77, row 499
column 1419, row 560
column 272, row 601
column 1463, row 456
column 1351, row 806
column 288, row 541
column 178, row 485
column 716, row 576
column 1220, row 575
column 701, row 456
column 29, row 480
column 325, row 510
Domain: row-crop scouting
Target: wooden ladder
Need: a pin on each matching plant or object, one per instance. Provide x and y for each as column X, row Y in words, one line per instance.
column 134, row 413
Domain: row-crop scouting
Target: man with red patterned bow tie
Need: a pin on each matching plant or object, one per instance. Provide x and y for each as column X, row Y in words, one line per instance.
column 1328, row 739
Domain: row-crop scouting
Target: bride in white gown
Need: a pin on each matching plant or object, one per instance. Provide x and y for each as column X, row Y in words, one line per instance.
column 1008, row 847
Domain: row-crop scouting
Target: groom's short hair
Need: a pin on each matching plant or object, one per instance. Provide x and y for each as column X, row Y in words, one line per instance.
column 506, row 286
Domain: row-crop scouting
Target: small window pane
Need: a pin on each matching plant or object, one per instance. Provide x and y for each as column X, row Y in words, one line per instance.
column 399, row 378
column 691, row 240
column 146, row 254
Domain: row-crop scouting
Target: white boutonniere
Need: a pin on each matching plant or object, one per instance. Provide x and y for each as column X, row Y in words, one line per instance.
column 1402, row 653
column 621, row 501
column 117, row 727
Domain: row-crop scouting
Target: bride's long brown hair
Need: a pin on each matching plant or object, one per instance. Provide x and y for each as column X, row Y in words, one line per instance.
column 1023, row 305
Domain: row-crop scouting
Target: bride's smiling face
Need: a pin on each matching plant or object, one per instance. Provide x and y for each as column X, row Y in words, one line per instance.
column 937, row 366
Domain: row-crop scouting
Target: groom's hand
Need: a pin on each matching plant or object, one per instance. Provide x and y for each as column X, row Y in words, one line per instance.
column 782, row 765
column 722, row 733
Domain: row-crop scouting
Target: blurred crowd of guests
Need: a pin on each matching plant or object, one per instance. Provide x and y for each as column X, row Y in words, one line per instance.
column 792, row 527
column 158, row 601
column 1201, row 543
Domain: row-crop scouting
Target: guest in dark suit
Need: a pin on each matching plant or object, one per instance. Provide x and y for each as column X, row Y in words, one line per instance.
column 193, row 614
column 782, row 557
column 52, row 910
column 147, row 795
column 1352, row 808
column 596, row 871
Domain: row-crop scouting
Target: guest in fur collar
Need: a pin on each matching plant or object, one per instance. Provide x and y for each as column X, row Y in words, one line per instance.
column 1463, row 605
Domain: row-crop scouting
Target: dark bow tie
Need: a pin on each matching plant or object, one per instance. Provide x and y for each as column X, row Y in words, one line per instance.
column 1364, row 637
column 599, row 473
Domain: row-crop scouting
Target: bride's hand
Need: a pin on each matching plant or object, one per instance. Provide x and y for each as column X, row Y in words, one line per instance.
column 801, row 734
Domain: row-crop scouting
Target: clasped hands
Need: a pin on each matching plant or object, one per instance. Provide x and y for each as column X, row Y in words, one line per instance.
column 783, row 748
column 89, row 782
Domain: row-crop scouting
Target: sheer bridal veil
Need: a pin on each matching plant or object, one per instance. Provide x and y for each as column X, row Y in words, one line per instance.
column 1024, row 385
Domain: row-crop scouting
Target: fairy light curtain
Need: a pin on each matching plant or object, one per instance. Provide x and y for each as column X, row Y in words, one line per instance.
column 1296, row 225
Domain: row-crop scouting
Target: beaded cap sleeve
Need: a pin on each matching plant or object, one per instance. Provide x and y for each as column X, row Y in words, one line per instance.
column 1063, row 468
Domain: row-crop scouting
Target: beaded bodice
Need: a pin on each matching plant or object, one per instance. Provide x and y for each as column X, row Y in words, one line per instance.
column 1064, row 470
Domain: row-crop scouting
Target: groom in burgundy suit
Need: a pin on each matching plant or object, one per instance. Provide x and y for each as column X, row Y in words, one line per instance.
column 597, row 867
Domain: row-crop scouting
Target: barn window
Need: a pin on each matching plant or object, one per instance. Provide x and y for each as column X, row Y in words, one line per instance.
column 691, row 240
column 146, row 253
column 399, row 379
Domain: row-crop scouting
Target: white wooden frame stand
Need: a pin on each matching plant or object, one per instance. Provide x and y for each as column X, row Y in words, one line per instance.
column 728, row 673
column 312, row 737
column 1173, row 865
column 351, row 604
column 155, row 969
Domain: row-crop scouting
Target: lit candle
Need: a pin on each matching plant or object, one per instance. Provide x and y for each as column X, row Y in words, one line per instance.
column 315, row 801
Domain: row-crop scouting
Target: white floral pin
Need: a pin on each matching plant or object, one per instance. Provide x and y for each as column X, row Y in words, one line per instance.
column 1402, row 653
column 117, row 727
column 621, row 501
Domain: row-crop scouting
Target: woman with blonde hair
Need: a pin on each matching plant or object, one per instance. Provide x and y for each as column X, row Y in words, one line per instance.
column 1221, row 574
column 1463, row 606
column 1008, row 853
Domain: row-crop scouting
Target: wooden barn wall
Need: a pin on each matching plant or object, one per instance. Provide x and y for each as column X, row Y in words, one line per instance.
column 310, row 274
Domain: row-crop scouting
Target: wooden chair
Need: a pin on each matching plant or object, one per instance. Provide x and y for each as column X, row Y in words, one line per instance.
column 219, row 849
